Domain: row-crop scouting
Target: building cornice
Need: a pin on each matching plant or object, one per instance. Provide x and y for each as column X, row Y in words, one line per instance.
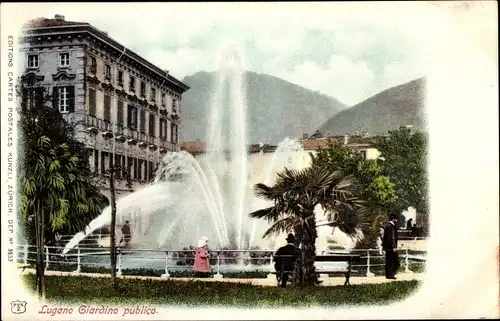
column 87, row 29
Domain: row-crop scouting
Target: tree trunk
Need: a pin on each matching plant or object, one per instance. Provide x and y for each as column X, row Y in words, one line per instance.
column 297, row 267
column 40, row 242
column 113, row 226
column 309, row 255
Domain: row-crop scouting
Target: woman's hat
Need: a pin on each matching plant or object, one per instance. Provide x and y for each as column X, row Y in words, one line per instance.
column 290, row 238
column 202, row 243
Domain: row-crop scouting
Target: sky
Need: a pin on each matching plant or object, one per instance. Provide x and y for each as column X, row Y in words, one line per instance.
column 349, row 51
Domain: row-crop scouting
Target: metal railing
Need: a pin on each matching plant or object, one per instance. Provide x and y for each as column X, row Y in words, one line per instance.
column 175, row 261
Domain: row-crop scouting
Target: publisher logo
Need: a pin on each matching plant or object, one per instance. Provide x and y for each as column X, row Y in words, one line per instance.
column 18, row 307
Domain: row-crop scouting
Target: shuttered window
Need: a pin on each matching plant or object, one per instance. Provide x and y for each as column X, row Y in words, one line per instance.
column 92, row 101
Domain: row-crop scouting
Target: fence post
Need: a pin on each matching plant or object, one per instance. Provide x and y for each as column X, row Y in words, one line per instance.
column 78, row 266
column 166, row 274
column 218, row 275
column 368, row 272
column 271, row 268
column 25, row 257
column 119, row 272
column 46, row 258
column 407, row 262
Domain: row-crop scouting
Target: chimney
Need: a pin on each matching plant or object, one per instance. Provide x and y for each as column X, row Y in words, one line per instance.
column 346, row 139
column 59, row 17
column 305, row 136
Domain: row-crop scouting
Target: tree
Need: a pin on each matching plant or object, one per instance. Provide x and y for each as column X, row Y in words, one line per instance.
column 296, row 195
column 112, row 172
column 405, row 162
column 54, row 174
column 375, row 189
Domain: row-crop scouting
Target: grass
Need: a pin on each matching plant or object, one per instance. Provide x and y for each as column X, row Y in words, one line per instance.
column 88, row 290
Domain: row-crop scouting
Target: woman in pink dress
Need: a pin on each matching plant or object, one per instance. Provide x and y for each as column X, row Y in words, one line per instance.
column 201, row 259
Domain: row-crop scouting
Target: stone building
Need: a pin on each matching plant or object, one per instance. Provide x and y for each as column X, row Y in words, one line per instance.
column 126, row 110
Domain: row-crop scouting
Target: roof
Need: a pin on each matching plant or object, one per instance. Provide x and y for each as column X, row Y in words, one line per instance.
column 45, row 22
column 40, row 25
column 193, row 147
column 198, row 147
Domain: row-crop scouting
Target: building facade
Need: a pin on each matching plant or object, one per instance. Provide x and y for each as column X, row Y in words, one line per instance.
column 264, row 161
column 126, row 110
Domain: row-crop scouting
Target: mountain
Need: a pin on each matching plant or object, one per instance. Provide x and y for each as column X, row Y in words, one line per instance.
column 275, row 108
column 394, row 107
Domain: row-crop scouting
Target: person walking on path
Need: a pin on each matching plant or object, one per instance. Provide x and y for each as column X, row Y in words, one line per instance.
column 390, row 244
column 201, row 259
column 126, row 234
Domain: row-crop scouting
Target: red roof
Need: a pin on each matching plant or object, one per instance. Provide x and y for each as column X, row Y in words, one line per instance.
column 44, row 23
column 194, row 147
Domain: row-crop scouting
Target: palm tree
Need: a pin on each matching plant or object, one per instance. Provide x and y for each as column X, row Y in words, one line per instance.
column 296, row 195
column 54, row 177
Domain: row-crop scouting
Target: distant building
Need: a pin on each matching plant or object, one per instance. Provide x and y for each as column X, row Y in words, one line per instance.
column 126, row 110
column 263, row 160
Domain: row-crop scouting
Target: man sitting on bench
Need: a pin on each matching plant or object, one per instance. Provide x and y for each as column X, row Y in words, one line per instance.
column 284, row 262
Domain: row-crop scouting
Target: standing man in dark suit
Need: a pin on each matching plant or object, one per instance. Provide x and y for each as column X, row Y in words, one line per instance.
column 284, row 260
column 390, row 244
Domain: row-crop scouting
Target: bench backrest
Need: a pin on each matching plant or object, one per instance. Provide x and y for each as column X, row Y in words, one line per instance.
column 338, row 258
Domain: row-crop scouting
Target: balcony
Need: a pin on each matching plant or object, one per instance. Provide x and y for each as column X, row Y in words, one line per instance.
column 92, row 70
column 120, row 133
column 92, row 124
column 132, row 136
column 151, row 143
column 107, row 129
column 143, row 140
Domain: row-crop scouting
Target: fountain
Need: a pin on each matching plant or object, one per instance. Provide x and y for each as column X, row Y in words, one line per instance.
column 210, row 195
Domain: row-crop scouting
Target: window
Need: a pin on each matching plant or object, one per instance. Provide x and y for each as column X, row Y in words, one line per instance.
column 104, row 158
column 32, row 97
column 118, row 162
column 143, row 121
column 92, row 101
column 93, row 65
column 153, row 95
column 363, row 154
column 136, row 169
column 32, row 61
column 131, row 84
column 139, row 169
column 64, row 99
column 130, row 163
column 152, row 122
column 119, row 111
column 96, row 160
column 163, row 99
column 143, row 89
column 163, row 128
column 107, row 107
column 120, row 78
column 173, row 133
column 132, row 117
column 64, row 59
column 107, row 72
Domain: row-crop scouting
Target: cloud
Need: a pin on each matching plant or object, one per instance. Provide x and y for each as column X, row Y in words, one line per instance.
column 341, row 49
column 398, row 73
column 181, row 62
column 350, row 81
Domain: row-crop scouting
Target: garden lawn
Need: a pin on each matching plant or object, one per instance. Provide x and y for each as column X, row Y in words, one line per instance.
column 89, row 290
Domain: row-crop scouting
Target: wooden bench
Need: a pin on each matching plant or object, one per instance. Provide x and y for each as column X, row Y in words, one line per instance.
column 347, row 258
